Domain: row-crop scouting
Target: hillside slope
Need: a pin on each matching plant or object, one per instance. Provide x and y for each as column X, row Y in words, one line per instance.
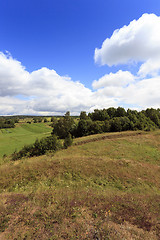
column 103, row 187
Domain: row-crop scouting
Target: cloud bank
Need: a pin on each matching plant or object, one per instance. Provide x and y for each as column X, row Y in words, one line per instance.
column 39, row 92
column 45, row 92
column 42, row 92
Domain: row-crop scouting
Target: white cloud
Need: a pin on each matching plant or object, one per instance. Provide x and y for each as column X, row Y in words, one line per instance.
column 139, row 41
column 10, row 105
column 46, row 92
column 121, row 78
column 150, row 67
column 13, row 76
column 142, row 93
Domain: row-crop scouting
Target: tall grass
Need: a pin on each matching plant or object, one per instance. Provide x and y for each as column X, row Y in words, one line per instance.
column 105, row 189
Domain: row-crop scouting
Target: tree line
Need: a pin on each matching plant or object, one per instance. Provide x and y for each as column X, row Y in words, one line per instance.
column 107, row 120
column 6, row 122
column 99, row 121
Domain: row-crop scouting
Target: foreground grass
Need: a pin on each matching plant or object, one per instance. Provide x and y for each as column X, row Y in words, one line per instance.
column 12, row 139
column 100, row 189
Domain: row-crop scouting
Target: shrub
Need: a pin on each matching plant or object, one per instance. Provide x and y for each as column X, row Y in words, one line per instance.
column 68, row 141
column 39, row 147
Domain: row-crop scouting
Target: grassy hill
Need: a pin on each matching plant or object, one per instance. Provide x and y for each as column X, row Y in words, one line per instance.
column 23, row 133
column 105, row 186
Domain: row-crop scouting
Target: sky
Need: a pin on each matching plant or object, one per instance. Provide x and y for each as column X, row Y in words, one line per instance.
column 78, row 55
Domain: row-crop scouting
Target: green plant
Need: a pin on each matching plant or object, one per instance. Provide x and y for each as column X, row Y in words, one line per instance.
column 68, row 141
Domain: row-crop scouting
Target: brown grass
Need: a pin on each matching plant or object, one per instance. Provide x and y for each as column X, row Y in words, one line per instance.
column 106, row 189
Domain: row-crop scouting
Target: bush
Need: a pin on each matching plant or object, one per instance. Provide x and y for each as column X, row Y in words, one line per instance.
column 68, row 141
column 39, row 147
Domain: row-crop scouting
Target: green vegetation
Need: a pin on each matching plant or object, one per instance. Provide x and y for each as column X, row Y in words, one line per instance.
column 100, row 121
column 104, row 186
column 15, row 138
column 39, row 147
column 107, row 120
column 101, row 186
column 6, row 122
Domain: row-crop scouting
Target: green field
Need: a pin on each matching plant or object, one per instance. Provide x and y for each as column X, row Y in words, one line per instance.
column 12, row 139
column 105, row 187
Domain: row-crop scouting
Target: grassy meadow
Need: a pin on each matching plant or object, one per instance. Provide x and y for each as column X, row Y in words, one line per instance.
column 12, row 139
column 104, row 186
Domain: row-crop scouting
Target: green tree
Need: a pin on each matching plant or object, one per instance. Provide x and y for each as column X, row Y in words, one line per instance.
column 111, row 112
column 64, row 126
column 116, row 125
column 106, row 126
column 83, row 115
column 83, row 127
column 99, row 115
column 68, row 141
column 120, row 112
column 154, row 115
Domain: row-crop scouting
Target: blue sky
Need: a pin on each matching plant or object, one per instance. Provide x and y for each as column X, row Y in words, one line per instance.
column 61, row 36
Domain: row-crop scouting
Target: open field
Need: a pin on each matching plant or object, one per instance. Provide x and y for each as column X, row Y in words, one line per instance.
column 12, row 139
column 105, row 186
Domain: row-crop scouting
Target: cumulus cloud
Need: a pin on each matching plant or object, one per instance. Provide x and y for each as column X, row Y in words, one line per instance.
column 139, row 41
column 151, row 68
column 13, row 76
column 144, row 93
column 121, row 78
column 139, row 94
column 44, row 91
column 10, row 105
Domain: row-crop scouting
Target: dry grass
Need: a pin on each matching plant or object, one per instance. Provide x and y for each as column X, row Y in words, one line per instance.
column 103, row 189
